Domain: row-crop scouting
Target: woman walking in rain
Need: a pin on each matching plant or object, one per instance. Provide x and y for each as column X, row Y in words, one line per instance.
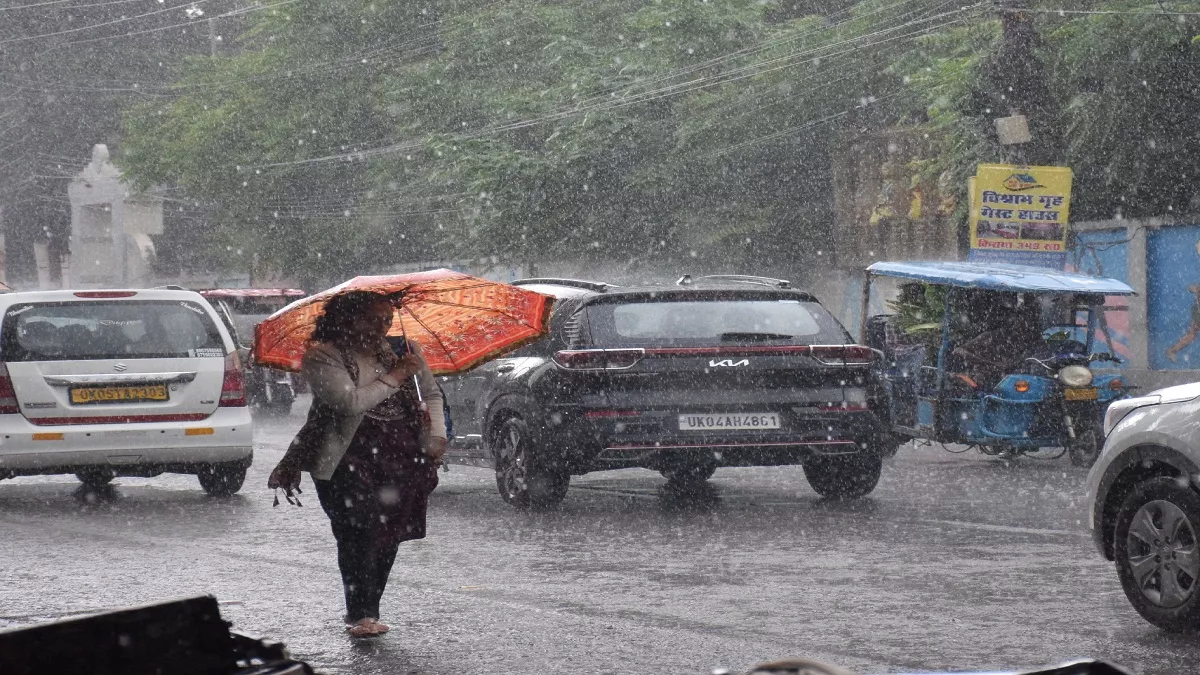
column 369, row 445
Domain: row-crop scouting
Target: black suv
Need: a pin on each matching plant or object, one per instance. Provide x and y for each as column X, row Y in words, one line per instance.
column 715, row 371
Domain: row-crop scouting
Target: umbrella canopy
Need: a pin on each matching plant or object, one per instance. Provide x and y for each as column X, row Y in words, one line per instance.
column 459, row 321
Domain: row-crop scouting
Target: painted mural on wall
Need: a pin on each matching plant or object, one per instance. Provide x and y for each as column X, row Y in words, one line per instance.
column 1103, row 253
column 1173, row 297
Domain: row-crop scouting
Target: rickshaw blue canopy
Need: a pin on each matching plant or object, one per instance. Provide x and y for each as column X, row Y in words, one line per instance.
column 1000, row 277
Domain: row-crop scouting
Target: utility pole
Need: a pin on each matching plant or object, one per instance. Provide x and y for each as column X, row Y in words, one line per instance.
column 1020, row 89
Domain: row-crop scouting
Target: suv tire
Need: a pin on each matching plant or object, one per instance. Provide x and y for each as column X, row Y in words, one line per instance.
column 1156, row 535
column 95, row 478
column 688, row 473
column 844, row 476
column 222, row 480
column 523, row 480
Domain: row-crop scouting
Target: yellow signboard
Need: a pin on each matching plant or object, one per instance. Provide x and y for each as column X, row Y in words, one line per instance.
column 1020, row 214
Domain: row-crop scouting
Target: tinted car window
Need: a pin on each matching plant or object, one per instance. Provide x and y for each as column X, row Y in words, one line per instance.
column 107, row 330
column 781, row 321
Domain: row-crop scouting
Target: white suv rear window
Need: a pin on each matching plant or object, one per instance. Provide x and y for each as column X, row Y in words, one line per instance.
column 126, row 329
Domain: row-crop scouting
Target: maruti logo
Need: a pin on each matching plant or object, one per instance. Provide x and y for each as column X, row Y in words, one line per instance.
column 728, row 363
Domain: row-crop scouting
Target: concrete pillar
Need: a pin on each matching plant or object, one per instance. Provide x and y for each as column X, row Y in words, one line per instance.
column 41, row 256
column 64, row 266
column 3, row 260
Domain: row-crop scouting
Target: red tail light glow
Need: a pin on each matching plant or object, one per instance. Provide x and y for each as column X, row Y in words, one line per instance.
column 233, row 387
column 8, row 396
column 598, row 359
column 843, row 355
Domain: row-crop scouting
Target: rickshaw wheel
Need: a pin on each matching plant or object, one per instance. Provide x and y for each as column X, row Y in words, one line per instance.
column 1086, row 449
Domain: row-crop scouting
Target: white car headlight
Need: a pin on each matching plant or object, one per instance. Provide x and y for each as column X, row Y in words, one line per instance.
column 1118, row 410
column 1075, row 376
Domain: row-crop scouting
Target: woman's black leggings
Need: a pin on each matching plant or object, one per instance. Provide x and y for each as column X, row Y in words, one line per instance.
column 364, row 558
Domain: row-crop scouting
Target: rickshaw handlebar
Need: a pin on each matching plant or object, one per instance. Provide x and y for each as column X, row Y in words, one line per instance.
column 1091, row 358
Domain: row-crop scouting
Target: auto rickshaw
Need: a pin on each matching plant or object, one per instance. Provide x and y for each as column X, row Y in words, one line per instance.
column 1052, row 394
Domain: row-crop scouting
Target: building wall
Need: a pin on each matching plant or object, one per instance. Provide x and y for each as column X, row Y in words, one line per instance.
column 1160, row 259
column 884, row 208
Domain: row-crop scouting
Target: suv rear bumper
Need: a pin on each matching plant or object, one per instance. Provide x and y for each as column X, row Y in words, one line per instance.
column 125, row 449
column 594, row 445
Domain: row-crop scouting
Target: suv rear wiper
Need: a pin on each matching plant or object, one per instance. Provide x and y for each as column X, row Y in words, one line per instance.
column 747, row 337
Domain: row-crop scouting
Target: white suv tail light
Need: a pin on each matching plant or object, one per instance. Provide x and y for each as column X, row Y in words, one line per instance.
column 8, row 396
column 233, row 387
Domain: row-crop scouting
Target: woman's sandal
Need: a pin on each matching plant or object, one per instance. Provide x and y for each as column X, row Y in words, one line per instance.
column 379, row 627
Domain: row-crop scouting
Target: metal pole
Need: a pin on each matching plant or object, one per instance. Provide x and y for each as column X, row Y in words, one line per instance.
column 866, row 307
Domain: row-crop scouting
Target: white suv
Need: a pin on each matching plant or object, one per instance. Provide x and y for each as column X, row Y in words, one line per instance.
column 1144, row 492
column 121, row 383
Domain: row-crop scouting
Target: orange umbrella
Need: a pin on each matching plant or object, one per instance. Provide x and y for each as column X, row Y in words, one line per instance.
column 458, row 320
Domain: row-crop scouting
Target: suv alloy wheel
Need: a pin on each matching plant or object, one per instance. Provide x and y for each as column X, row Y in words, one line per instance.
column 1158, row 555
column 524, row 481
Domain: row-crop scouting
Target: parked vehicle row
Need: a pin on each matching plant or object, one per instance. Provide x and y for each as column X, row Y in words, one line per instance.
column 711, row 372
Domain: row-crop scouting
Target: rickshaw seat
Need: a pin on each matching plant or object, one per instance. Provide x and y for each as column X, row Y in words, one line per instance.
column 965, row 379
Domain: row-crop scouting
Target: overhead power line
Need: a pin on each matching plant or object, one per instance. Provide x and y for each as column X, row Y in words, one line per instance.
column 60, row 2
column 1114, row 12
column 100, row 25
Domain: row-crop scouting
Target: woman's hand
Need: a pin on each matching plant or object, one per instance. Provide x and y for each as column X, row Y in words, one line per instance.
column 436, row 448
column 408, row 366
column 285, row 477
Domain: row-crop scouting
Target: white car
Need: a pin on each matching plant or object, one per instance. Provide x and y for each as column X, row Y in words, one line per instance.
column 121, row 383
column 1144, row 492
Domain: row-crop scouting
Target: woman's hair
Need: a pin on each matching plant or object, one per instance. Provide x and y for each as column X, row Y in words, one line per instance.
column 341, row 310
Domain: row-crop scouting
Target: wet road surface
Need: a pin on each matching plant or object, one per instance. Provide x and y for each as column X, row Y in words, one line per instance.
column 954, row 562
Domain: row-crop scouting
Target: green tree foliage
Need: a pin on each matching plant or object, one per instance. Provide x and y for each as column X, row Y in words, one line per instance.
column 678, row 129
column 1121, row 78
column 349, row 132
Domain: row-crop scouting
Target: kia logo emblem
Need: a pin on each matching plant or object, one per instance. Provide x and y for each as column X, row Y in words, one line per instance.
column 728, row 363
column 120, row 367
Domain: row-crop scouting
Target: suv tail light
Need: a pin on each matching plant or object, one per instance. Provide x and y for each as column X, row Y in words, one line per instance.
column 598, row 359
column 843, row 355
column 233, row 387
column 8, row 396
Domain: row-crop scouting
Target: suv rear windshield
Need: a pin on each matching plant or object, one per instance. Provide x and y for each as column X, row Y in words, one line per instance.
column 714, row 322
column 126, row 329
